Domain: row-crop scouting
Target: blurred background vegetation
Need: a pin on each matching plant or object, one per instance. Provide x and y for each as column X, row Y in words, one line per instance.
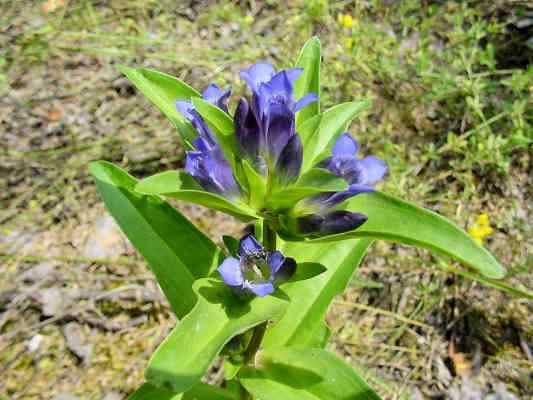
column 451, row 84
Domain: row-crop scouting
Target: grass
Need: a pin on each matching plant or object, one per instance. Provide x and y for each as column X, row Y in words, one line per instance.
column 451, row 85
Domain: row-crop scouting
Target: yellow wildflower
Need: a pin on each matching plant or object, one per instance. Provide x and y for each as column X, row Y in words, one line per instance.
column 481, row 229
column 345, row 20
column 249, row 19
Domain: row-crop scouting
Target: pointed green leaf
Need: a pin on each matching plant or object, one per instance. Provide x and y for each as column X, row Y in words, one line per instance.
column 256, row 185
column 309, row 81
column 163, row 90
column 180, row 185
column 200, row 391
column 310, row 299
column 320, row 336
column 221, row 125
column 147, row 391
column 185, row 355
column 304, row 374
column 160, row 233
column 314, row 181
column 393, row 219
column 321, row 131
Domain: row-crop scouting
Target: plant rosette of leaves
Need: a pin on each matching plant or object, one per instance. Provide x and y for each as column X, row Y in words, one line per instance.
column 291, row 170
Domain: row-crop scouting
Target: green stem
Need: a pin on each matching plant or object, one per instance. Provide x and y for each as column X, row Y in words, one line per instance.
column 269, row 242
column 269, row 237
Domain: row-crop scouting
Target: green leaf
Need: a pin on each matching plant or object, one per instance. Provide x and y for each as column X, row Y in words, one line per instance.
column 147, row 391
column 314, row 181
column 393, row 219
column 320, row 132
column 304, row 374
column 231, row 368
column 163, row 90
column 232, row 245
column 200, row 391
column 185, row 355
column 160, row 233
column 320, row 336
column 180, row 185
column 511, row 290
column 256, row 184
column 310, row 299
column 309, row 81
column 221, row 125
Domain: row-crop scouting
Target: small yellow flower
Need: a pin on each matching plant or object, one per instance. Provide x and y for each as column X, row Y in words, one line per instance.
column 481, row 229
column 248, row 20
column 483, row 219
column 345, row 20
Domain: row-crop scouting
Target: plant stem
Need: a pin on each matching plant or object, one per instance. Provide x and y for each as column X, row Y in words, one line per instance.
column 269, row 237
column 269, row 242
column 255, row 342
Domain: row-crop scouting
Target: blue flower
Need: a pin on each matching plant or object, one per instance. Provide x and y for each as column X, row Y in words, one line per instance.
column 206, row 163
column 256, row 270
column 360, row 174
column 266, row 129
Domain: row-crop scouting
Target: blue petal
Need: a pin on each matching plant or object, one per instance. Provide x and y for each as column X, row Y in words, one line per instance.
column 260, row 289
column 275, row 261
column 330, row 200
column 279, row 88
column 345, row 146
column 293, row 74
column 250, row 247
column 258, row 74
column 290, row 160
column 247, row 130
column 285, row 267
column 356, row 189
column 279, row 129
column 373, row 170
column 231, row 273
column 216, row 96
column 212, row 172
column 185, row 108
column 307, row 99
column 309, row 223
column 341, row 221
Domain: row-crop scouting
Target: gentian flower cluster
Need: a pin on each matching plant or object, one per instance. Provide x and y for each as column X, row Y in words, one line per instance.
column 256, row 270
column 266, row 137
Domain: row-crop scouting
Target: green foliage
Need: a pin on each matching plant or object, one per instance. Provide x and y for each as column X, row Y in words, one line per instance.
column 304, row 319
column 292, row 363
column 160, row 233
column 393, row 219
column 309, row 81
column 320, row 132
column 307, row 374
column 163, row 90
column 185, row 355
column 314, row 181
column 180, row 185
column 200, row 391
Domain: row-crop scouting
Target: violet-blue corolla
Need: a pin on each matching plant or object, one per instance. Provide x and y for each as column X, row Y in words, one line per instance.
column 256, row 270
column 206, row 163
column 266, row 137
column 360, row 174
column 266, row 126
